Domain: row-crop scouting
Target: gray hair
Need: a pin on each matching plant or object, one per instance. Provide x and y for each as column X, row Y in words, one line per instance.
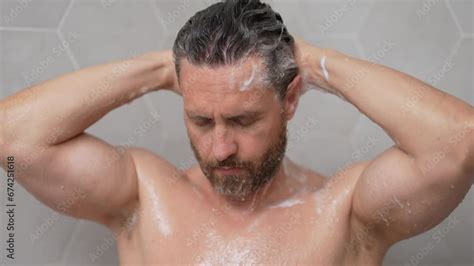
column 232, row 30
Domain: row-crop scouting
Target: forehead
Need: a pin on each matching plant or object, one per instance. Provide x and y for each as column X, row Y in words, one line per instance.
column 225, row 89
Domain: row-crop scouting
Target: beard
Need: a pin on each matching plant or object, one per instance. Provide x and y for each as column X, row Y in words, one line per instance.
column 254, row 174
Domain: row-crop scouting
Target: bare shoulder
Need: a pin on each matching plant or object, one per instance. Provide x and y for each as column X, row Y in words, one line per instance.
column 363, row 238
column 345, row 177
column 155, row 175
column 150, row 165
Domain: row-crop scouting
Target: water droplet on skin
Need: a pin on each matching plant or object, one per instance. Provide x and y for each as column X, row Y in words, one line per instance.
column 62, row 187
column 452, row 186
column 409, row 212
column 408, row 204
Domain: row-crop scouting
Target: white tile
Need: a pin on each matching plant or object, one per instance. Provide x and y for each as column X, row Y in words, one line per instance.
column 368, row 139
column 30, row 57
column 464, row 12
column 456, row 77
column 113, row 31
column 91, row 244
column 321, row 150
column 40, row 233
column 422, row 38
column 30, row 13
column 429, row 248
column 333, row 113
column 306, row 17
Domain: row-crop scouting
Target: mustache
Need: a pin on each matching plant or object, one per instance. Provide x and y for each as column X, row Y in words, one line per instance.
column 229, row 163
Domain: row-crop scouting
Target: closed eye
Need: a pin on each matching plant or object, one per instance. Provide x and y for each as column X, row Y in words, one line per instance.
column 201, row 121
column 243, row 122
column 240, row 121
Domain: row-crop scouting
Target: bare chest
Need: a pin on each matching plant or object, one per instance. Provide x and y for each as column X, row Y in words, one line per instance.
column 308, row 230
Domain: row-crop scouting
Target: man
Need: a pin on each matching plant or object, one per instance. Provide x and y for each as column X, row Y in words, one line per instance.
column 241, row 74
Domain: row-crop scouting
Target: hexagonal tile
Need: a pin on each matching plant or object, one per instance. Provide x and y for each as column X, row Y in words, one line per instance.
column 347, row 45
column 31, row 57
column 322, row 17
column 421, row 250
column 114, row 29
column 131, row 124
column 40, row 233
column 30, row 13
column 333, row 113
column 174, row 14
column 172, row 140
column 463, row 10
column 415, row 32
column 319, row 149
column 91, row 244
column 135, row 125
column 368, row 140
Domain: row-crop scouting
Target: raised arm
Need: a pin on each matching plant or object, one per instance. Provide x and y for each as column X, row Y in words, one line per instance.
column 429, row 170
column 43, row 126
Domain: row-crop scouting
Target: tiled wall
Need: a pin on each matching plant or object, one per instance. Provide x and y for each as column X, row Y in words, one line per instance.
column 431, row 40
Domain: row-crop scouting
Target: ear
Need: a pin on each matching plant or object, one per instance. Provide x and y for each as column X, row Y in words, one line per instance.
column 292, row 96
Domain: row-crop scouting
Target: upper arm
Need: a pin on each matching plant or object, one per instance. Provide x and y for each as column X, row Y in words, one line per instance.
column 396, row 199
column 83, row 177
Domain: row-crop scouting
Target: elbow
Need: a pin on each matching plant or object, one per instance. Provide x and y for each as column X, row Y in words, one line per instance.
column 464, row 141
column 453, row 161
column 469, row 162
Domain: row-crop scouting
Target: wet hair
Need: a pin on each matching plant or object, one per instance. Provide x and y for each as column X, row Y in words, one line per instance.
column 230, row 31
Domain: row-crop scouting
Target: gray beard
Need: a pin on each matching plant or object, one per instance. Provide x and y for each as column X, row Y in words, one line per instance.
column 254, row 175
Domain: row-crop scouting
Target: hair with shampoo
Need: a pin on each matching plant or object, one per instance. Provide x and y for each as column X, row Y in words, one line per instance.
column 230, row 31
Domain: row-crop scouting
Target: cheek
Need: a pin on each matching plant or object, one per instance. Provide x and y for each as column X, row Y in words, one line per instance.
column 202, row 142
column 251, row 146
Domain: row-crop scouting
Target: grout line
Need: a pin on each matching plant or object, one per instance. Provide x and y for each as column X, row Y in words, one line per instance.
column 68, row 51
column 66, row 250
column 454, row 49
column 30, row 29
column 66, row 13
column 149, row 104
column 369, row 12
column 454, row 17
column 359, row 47
column 157, row 14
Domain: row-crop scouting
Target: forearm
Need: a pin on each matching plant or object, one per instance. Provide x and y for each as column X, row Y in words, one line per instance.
column 422, row 120
column 62, row 108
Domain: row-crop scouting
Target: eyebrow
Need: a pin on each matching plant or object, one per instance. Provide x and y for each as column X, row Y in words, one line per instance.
column 242, row 114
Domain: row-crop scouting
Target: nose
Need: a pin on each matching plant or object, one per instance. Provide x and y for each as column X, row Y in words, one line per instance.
column 223, row 144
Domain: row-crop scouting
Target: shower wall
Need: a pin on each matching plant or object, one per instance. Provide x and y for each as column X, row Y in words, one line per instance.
column 431, row 40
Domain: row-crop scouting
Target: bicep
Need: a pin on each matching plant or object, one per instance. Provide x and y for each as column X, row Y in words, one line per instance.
column 83, row 177
column 394, row 195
